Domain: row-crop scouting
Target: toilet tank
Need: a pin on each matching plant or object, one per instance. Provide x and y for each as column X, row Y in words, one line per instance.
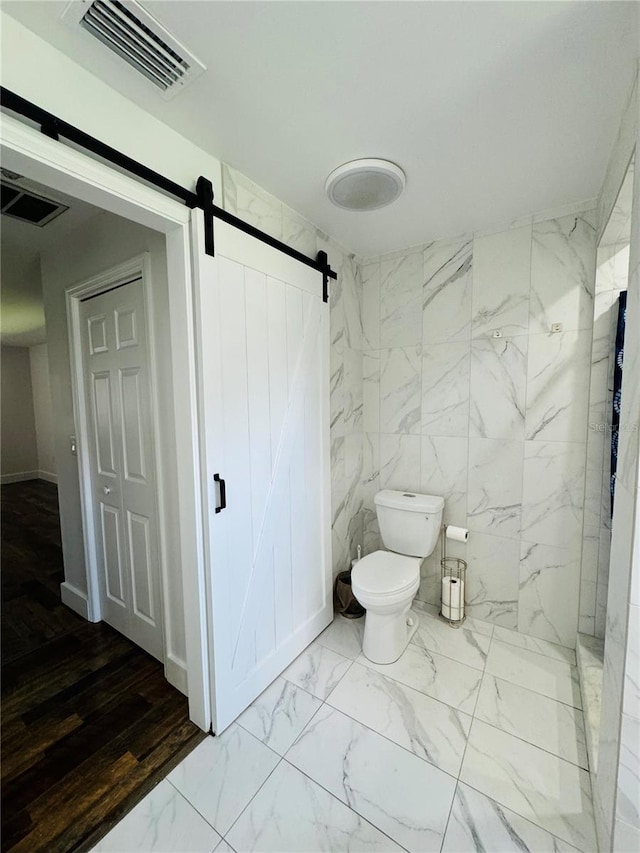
column 409, row 523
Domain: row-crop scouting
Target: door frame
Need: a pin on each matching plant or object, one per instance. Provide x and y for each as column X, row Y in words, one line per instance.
column 27, row 151
column 136, row 268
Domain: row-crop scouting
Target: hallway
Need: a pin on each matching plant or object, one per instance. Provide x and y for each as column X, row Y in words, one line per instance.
column 89, row 722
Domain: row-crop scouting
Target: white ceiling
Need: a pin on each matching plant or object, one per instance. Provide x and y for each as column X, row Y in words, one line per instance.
column 22, row 320
column 493, row 109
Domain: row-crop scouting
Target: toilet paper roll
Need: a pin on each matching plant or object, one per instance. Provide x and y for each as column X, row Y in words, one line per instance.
column 452, row 598
column 458, row 534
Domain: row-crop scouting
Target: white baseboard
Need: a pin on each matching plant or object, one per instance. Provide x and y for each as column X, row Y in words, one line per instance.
column 48, row 477
column 19, row 477
column 175, row 671
column 75, row 599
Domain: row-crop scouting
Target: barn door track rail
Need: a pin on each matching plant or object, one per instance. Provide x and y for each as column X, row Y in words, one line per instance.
column 58, row 129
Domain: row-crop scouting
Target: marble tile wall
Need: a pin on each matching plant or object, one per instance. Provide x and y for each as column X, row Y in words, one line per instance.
column 616, row 804
column 497, row 425
column 253, row 204
column 612, row 276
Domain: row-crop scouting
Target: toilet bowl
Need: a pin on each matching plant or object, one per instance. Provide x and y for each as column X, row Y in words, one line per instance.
column 385, row 585
column 385, row 582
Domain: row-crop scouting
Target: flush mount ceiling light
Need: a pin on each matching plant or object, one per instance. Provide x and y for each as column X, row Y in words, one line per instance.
column 365, row 184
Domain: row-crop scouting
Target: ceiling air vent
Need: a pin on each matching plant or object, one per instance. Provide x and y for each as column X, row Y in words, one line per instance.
column 134, row 35
column 27, row 206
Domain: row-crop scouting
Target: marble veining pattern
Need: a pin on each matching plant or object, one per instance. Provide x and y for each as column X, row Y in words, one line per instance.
column 480, row 823
column 549, row 578
column 498, row 382
column 447, row 291
column 426, row 754
column 541, row 787
column 494, row 501
column 163, row 820
column 562, row 273
column 400, row 390
column 291, row 813
column 543, row 722
column 356, row 765
column 445, row 389
column 428, row 728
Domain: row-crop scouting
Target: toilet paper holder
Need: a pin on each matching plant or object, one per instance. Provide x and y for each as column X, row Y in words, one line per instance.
column 453, row 577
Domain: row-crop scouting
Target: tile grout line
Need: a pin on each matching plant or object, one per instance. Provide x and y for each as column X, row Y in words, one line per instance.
column 464, row 753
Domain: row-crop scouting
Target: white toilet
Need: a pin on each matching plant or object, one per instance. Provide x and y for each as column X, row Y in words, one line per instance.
column 385, row 582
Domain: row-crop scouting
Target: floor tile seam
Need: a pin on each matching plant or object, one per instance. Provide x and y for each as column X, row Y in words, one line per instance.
column 187, row 800
column 538, row 652
column 533, row 690
column 523, row 817
column 388, row 739
column 320, row 643
column 406, row 686
column 464, row 752
column 449, row 657
column 412, row 687
column 213, row 736
column 295, row 684
column 535, row 651
column 252, row 798
column 535, row 745
column 342, row 802
column 580, row 711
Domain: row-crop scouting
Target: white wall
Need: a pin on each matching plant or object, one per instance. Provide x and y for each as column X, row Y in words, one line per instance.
column 101, row 244
column 39, row 362
column 19, row 455
column 69, row 91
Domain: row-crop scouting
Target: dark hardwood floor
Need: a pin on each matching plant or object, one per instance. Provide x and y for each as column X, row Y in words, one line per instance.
column 89, row 724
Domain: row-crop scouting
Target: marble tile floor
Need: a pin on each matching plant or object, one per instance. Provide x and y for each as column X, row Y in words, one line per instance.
column 473, row 740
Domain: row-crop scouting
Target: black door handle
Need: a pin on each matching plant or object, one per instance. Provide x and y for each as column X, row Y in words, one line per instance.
column 223, row 492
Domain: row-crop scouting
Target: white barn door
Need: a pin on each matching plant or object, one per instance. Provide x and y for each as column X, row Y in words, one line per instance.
column 263, row 334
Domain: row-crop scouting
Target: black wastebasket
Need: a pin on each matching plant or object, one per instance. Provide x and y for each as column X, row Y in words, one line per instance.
column 344, row 601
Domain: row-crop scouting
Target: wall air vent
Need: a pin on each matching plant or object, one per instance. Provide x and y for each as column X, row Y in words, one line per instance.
column 127, row 29
column 27, row 206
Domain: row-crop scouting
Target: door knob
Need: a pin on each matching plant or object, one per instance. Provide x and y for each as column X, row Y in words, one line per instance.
column 107, row 490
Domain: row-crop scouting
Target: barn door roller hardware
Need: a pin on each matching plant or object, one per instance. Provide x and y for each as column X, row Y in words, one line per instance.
column 56, row 128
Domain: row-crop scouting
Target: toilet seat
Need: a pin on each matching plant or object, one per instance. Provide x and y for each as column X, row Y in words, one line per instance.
column 385, row 573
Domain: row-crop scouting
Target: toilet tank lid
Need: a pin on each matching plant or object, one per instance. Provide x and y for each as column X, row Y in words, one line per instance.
column 409, row 501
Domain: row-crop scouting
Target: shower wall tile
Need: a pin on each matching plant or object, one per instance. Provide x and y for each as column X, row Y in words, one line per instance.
column 492, row 578
column 371, row 306
column 445, row 389
column 400, row 462
column 401, row 301
column 444, row 473
column 631, row 699
column 499, row 428
column 501, row 281
column 586, row 614
column 498, row 387
column 558, row 387
column 447, row 291
column 553, row 491
column 549, row 580
column 250, row 202
column 495, row 486
column 352, row 392
column 351, row 296
column 400, row 389
column 298, row 233
column 371, row 391
column 563, row 273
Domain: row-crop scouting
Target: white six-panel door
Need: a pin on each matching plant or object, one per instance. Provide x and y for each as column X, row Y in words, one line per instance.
column 115, row 356
column 263, row 334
